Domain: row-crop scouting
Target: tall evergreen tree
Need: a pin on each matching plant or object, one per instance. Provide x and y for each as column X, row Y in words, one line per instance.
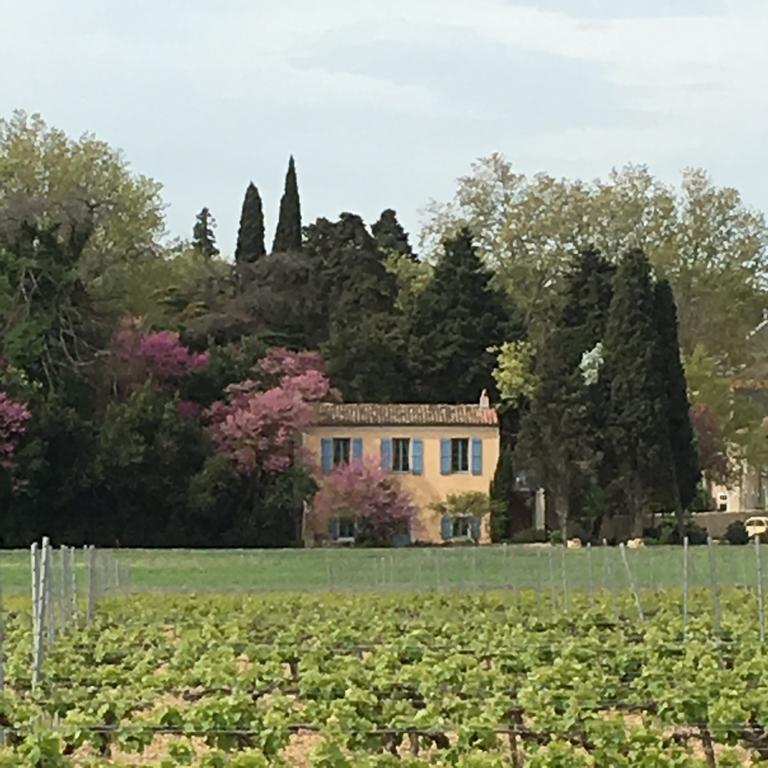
column 457, row 317
column 362, row 339
column 562, row 434
column 638, row 422
column 390, row 235
column 502, row 492
column 684, row 454
column 250, row 235
column 288, row 232
column 203, row 237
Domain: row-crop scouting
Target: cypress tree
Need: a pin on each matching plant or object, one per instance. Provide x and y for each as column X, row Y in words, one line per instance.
column 456, row 318
column 681, row 438
column 502, row 492
column 637, row 413
column 250, row 235
column 288, row 232
column 390, row 235
column 203, row 237
column 562, row 433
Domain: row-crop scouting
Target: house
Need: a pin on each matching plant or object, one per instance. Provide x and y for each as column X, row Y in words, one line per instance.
column 432, row 450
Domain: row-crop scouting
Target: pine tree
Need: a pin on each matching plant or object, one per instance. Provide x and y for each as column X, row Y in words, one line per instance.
column 390, row 235
column 457, row 317
column 250, row 235
column 288, row 232
column 684, row 454
column 562, row 434
column 637, row 413
column 502, row 493
column 203, row 237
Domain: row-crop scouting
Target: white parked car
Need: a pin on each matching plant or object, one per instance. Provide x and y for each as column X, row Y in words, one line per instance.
column 757, row 526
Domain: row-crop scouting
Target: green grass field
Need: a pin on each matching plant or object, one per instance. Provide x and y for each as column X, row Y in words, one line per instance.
column 398, row 569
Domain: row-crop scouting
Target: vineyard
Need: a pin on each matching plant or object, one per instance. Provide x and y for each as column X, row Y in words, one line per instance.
column 441, row 678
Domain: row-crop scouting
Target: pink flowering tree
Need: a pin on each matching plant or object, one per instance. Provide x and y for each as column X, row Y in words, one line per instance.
column 14, row 417
column 157, row 356
column 361, row 489
column 258, row 423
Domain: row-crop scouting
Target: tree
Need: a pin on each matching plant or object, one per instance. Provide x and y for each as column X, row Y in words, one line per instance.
column 563, row 431
column 250, row 235
column 637, row 413
column 391, row 237
column 685, row 461
column 703, row 238
column 502, row 493
column 364, row 491
column 203, row 237
column 288, row 232
column 51, row 178
column 458, row 317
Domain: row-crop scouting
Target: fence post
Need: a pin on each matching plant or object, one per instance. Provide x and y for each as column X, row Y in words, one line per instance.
column 564, row 575
column 590, row 575
column 551, row 578
column 639, row 607
column 63, row 587
column 713, row 584
column 41, row 581
column 35, row 564
column 607, row 581
column 89, row 553
column 50, row 608
column 685, row 585
column 73, row 576
column 760, row 599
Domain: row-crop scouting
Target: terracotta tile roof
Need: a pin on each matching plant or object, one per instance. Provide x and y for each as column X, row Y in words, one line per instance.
column 403, row 414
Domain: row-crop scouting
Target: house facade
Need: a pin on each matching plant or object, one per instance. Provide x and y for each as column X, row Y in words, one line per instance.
column 432, row 450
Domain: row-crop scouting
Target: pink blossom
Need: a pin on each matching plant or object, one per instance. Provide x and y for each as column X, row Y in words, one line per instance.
column 188, row 409
column 258, row 427
column 362, row 489
column 13, row 424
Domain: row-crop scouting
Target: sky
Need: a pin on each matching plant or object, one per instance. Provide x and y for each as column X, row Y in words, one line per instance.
column 385, row 104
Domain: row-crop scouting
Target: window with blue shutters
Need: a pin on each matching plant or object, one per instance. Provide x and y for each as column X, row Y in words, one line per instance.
column 446, row 527
column 459, row 454
column 333, row 528
column 445, row 456
column 401, row 454
column 386, row 454
column 342, row 448
column 357, row 448
column 326, row 454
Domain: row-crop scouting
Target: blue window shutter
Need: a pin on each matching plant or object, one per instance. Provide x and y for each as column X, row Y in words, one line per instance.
column 446, row 527
column 357, row 448
column 333, row 528
column 326, row 454
column 474, row 528
column 477, row 456
column 386, row 454
column 417, row 456
column 445, row 456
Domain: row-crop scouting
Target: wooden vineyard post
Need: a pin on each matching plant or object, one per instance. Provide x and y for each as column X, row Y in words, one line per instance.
column 35, row 565
column 590, row 575
column 631, row 580
column 40, row 577
column 685, row 585
column 50, row 608
column 607, row 581
column 63, row 587
column 89, row 553
column 73, row 577
column 713, row 585
column 551, row 578
column 2, row 650
column 760, row 598
column 564, row 576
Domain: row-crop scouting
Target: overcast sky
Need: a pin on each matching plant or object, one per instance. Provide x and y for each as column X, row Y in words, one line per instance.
column 384, row 104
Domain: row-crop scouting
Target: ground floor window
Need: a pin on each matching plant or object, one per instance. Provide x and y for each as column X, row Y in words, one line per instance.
column 347, row 527
column 462, row 527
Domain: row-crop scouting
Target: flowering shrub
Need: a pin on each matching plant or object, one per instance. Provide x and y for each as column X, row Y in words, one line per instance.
column 258, row 423
column 156, row 355
column 13, row 424
column 361, row 489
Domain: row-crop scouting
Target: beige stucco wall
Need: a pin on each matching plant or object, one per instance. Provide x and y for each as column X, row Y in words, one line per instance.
column 426, row 488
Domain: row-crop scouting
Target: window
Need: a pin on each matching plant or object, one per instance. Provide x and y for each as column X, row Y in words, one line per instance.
column 341, row 449
column 346, row 527
column 461, row 528
column 459, row 454
column 401, row 454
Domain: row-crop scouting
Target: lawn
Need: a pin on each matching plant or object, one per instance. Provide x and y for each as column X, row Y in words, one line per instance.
column 516, row 566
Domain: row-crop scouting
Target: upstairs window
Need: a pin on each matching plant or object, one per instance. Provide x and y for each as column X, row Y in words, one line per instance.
column 341, row 450
column 459, row 454
column 401, row 454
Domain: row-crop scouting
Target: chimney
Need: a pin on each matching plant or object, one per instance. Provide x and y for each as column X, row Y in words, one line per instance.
column 485, row 402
